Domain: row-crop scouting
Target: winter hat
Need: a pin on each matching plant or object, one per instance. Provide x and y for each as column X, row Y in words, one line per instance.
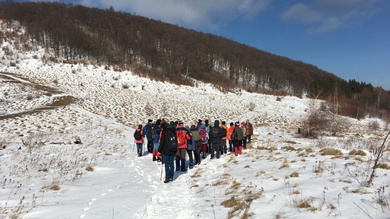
column 192, row 127
column 180, row 122
column 172, row 123
column 237, row 124
column 140, row 126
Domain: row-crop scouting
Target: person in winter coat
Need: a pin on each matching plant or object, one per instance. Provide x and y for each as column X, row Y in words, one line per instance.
column 206, row 123
column 237, row 137
column 243, row 125
column 204, row 135
column 229, row 134
column 197, row 142
column 147, row 130
column 139, row 142
column 156, row 133
column 168, row 156
column 183, row 136
column 224, row 138
column 249, row 130
column 215, row 139
column 190, row 149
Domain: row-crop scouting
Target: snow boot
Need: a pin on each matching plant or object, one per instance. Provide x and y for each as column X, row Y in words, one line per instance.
column 191, row 164
column 240, row 150
column 177, row 165
column 236, row 151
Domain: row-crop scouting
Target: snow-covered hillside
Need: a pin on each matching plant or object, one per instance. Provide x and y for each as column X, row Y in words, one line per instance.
column 47, row 108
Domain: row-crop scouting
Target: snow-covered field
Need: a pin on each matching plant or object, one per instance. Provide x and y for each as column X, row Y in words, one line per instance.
column 45, row 108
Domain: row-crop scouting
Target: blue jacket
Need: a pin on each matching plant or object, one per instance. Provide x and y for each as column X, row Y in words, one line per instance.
column 191, row 142
column 156, row 131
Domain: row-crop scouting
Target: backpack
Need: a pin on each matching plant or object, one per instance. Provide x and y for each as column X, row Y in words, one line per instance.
column 223, row 132
column 196, row 135
column 215, row 132
column 234, row 136
column 172, row 142
column 203, row 134
column 137, row 135
column 181, row 137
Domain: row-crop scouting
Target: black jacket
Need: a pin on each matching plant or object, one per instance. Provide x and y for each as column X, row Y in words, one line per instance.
column 163, row 148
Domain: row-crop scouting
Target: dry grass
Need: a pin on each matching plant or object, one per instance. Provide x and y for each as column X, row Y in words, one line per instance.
column 383, row 166
column 330, row 152
column 288, row 148
column 357, row 152
column 89, row 169
column 294, row 174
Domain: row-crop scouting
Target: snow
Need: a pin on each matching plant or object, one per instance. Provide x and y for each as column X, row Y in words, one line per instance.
column 279, row 171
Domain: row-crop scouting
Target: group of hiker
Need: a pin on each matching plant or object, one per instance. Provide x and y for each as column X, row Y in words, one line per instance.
column 171, row 142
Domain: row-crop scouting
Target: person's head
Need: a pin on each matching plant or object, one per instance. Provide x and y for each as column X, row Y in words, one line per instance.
column 150, row 121
column 223, row 123
column 216, row 123
column 164, row 126
column 193, row 127
column 206, row 122
column 231, row 124
column 237, row 124
column 180, row 123
column 139, row 126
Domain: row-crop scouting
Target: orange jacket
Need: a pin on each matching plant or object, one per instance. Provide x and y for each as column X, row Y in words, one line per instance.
column 229, row 132
column 226, row 129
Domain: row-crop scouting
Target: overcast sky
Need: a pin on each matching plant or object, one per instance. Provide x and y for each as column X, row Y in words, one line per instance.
column 349, row 38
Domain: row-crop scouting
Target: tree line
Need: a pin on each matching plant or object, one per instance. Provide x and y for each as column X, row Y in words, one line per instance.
column 171, row 53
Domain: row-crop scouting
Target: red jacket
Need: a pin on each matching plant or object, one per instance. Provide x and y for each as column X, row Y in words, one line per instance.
column 181, row 129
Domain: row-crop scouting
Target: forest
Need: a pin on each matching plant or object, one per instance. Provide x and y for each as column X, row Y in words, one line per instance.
column 166, row 52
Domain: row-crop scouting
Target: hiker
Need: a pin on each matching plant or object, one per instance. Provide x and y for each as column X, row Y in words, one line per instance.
column 237, row 137
column 243, row 125
column 156, row 139
column 138, row 139
column 198, row 125
column 229, row 134
column 206, row 123
column 190, row 149
column 197, row 142
column 183, row 136
column 249, row 130
column 147, row 130
column 215, row 139
column 224, row 138
column 204, row 136
column 167, row 142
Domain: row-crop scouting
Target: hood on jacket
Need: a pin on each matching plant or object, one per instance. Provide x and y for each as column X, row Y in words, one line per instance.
column 216, row 123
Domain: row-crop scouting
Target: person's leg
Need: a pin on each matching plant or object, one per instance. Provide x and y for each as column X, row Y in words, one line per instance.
column 218, row 150
column 212, row 152
column 167, row 167
column 171, row 159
